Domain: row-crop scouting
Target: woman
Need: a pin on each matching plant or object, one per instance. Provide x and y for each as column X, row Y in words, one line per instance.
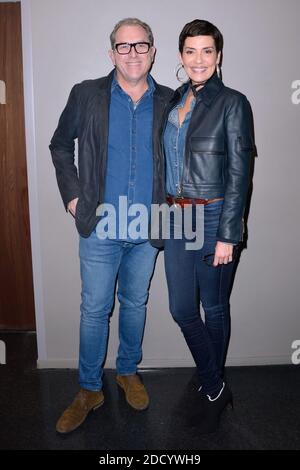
column 208, row 143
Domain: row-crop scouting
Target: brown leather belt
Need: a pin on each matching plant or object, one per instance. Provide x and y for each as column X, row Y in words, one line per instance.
column 183, row 201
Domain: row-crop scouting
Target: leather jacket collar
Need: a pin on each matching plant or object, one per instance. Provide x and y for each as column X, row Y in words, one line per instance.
column 212, row 88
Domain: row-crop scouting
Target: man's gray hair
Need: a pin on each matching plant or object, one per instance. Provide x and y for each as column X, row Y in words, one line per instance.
column 131, row 22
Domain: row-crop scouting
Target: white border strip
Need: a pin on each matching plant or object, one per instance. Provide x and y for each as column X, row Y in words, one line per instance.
column 32, row 177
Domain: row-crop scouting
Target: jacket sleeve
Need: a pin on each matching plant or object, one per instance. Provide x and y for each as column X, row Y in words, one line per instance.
column 62, row 148
column 240, row 151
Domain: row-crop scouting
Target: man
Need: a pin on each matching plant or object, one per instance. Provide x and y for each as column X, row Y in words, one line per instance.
column 117, row 120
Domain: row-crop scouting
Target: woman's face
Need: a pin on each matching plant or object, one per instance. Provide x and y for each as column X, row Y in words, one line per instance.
column 199, row 58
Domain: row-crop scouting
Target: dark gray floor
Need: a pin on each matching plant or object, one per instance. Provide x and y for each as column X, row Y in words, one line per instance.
column 266, row 411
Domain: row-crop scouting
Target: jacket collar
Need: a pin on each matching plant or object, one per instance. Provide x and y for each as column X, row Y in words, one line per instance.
column 207, row 94
column 106, row 82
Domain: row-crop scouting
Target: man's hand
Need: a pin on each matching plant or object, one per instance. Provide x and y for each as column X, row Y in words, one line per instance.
column 72, row 206
column 223, row 253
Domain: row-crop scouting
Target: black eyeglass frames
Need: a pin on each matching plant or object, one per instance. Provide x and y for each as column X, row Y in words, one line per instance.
column 139, row 47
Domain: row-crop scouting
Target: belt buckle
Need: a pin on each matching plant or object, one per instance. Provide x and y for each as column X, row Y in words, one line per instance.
column 178, row 204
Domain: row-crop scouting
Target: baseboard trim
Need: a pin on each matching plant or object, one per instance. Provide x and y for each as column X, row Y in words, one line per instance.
column 170, row 363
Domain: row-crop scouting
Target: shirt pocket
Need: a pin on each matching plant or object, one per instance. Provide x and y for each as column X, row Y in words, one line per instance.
column 206, row 160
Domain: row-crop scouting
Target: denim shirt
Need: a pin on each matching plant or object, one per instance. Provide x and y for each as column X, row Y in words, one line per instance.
column 130, row 153
column 174, row 145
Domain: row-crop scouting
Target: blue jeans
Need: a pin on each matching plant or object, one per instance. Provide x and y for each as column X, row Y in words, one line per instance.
column 191, row 281
column 103, row 263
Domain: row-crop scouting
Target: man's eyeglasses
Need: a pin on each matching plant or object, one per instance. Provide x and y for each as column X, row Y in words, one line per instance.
column 139, row 47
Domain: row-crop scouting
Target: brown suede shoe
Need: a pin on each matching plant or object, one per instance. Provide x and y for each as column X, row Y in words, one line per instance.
column 135, row 392
column 75, row 414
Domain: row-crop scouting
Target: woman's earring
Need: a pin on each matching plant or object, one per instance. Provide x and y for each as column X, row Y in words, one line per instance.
column 219, row 73
column 178, row 72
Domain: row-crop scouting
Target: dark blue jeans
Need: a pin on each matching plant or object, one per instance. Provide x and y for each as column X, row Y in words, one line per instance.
column 192, row 281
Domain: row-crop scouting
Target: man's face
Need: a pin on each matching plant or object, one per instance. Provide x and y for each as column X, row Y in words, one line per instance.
column 132, row 67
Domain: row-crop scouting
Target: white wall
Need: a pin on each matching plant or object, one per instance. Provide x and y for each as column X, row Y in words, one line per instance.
column 70, row 39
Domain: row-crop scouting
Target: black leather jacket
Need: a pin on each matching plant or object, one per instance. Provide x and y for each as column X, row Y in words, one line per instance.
column 218, row 152
column 86, row 117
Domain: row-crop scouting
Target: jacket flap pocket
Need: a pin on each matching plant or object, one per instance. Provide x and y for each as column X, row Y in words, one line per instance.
column 207, row 144
column 246, row 143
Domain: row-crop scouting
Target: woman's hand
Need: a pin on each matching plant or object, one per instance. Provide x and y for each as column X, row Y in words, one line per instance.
column 223, row 253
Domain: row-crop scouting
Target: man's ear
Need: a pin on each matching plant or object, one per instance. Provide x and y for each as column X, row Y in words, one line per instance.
column 153, row 53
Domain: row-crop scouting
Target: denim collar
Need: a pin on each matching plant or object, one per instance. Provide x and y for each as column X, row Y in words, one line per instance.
column 150, row 81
